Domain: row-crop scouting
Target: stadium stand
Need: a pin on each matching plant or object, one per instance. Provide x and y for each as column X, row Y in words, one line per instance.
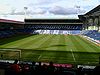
column 91, row 24
column 6, row 33
column 53, row 24
column 11, row 32
column 94, row 34
column 74, row 32
column 39, row 68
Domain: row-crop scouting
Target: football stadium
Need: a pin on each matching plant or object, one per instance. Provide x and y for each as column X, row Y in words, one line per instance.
column 59, row 46
column 65, row 42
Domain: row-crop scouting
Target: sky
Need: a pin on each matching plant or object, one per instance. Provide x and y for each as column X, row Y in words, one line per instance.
column 21, row 9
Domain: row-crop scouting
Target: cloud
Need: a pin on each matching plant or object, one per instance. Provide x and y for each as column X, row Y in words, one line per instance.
column 29, row 11
column 39, row 11
column 43, row 8
column 57, row 10
column 41, row 2
column 5, row 9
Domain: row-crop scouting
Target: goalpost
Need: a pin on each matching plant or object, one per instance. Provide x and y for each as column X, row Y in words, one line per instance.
column 10, row 54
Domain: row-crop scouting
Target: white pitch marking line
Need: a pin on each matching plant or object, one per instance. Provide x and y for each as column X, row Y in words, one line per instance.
column 73, row 55
column 39, row 57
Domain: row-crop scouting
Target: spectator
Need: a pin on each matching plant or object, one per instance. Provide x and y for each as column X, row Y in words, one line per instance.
column 22, row 68
column 15, row 68
column 97, row 70
column 26, row 69
column 79, row 71
column 33, row 68
column 44, row 69
column 51, row 68
column 39, row 69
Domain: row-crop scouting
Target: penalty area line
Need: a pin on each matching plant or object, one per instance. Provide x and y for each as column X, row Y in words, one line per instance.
column 73, row 55
column 39, row 57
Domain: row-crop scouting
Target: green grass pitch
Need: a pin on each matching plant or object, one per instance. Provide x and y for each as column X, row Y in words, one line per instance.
column 57, row 48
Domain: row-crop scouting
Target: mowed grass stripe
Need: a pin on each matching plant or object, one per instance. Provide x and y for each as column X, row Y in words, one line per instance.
column 29, row 45
column 20, row 42
column 13, row 38
column 56, row 48
column 77, row 43
column 59, row 56
column 53, row 42
column 85, row 56
column 50, row 55
column 71, row 43
column 67, row 56
column 39, row 42
column 68, row 48
column 61, row 46
column 83, row 45
column 45, row 42
column 93, row 56
column 31, row 55
column 92, row 45
column 31, row 41
column 79, row 48
column 72, row 47
column 53, row 54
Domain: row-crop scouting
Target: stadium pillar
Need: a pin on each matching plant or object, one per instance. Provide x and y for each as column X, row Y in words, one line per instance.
column 93, row 22
column 84, row 23
column 99, row 23
column 87, row 25
column 96, row 22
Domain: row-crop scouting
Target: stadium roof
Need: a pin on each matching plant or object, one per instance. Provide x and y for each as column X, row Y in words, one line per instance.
column 53, row 21
column 11, row 21
column 93, row 10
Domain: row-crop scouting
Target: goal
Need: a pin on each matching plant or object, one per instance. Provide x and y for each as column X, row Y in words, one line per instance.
column 9, row 54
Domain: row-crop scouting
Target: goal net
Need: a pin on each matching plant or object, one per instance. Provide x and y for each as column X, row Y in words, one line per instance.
column 10, row 54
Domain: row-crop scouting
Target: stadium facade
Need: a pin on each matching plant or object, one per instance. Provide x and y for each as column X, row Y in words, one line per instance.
column 91, row 20
column 88, row 21
column 54, row 24
column 10, row 24
column 72, row 49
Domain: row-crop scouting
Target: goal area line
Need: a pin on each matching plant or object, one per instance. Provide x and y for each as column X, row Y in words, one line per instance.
column 10, row 52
